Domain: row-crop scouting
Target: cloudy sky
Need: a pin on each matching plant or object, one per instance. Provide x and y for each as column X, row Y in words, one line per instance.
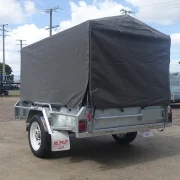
column 27, row 20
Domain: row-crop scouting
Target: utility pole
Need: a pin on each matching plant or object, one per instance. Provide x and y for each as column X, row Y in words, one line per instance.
column 21, row 43
column 124, row 11
column 50, row 11
column 4, row 35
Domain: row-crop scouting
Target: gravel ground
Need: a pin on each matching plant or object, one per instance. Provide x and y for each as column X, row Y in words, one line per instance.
column 7, row 108
column 176, row 114
column 97, row 158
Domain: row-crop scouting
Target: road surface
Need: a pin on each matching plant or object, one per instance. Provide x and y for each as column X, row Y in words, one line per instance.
column 156, row 158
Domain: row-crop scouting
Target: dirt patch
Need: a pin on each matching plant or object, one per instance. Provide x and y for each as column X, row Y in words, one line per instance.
column 7, row 108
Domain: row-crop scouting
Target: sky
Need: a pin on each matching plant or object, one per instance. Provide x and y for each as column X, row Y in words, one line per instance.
column 28, row 20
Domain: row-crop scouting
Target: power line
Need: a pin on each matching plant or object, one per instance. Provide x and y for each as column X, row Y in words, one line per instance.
column 62, row 13
column 146, row 8
column 50, row 11
column 165, row 4
column 163, row 7
column 166, row 23
column 44, row 8
column 21, row 43
column 66, row 10
column 3, row 35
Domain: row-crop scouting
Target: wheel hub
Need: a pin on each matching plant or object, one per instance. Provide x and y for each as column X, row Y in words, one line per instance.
column 35, row 136
column 38, row 135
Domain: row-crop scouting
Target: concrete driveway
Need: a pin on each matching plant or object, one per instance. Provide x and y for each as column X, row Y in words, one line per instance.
column 156, row 158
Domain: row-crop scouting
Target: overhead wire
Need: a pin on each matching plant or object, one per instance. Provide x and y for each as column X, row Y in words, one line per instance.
column 164, row 6
column 42, row 9
column 141, row 9
column 167, row 23
column 146, row 8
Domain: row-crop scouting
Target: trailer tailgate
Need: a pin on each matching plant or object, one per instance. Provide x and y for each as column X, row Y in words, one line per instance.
column 114, row 118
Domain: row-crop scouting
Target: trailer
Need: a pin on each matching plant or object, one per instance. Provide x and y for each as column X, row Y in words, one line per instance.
column 107, row 76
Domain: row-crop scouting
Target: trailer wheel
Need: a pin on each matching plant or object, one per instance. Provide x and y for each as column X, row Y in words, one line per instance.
column 39, row 140
column 125, row 138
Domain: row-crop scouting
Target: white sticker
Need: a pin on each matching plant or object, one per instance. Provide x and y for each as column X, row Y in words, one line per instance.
column 147, row 133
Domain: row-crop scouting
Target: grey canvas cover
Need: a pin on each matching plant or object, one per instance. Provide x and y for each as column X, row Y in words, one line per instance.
column 55, row 70
column 119, row 60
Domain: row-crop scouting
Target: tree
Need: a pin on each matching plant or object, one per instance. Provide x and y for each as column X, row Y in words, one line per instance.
column 8, row 69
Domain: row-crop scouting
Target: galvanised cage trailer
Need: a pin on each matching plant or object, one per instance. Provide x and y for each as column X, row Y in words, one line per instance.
column 104, row 76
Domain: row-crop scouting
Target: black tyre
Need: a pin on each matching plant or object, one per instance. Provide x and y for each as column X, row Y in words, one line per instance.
column 125, row 138
column 39, row 140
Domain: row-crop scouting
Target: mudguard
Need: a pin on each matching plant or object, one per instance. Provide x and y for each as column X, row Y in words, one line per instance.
column 60, row 141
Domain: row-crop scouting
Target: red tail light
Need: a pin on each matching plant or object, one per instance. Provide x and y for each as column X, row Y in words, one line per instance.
column 82, row 126
column 88, row 116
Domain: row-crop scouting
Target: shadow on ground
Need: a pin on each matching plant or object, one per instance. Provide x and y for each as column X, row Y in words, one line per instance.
column 109, row 154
